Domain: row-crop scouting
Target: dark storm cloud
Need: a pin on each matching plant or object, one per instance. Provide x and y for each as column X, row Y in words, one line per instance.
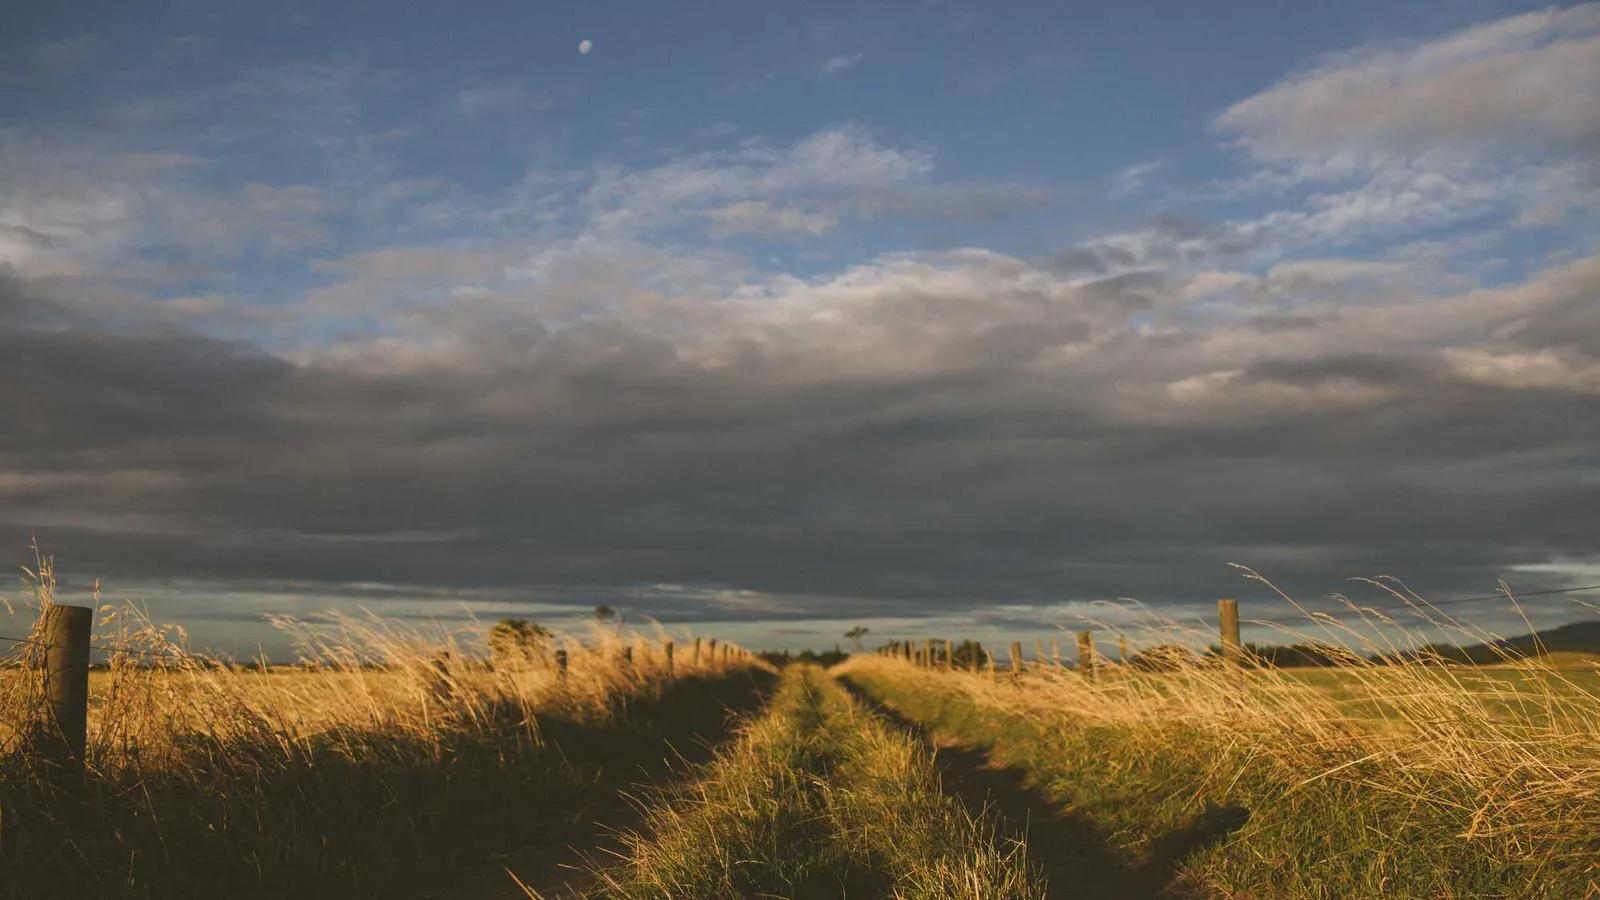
column 937, row 435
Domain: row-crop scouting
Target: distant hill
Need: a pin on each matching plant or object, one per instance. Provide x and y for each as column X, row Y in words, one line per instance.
column 1575, row 637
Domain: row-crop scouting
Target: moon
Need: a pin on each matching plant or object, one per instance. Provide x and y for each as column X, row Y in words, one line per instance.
column 584, row 46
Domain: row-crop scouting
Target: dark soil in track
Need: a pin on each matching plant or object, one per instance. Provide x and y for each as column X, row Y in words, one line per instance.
column 1072, row 851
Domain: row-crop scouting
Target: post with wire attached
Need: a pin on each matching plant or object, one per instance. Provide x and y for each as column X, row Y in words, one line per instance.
column 64, row 631
column 1228, row 625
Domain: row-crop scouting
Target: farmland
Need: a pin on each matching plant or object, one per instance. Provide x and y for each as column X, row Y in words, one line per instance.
column 403, row 760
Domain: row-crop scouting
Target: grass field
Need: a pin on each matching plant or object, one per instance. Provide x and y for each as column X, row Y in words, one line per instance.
column 398, row 764
column 401, row 761
column 1392, row 781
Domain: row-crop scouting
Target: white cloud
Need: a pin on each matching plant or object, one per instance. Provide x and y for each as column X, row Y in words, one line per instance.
column 836, row 64
column 827, row 164
column 1132, row 179
column 762, row 218
column 1528, row 80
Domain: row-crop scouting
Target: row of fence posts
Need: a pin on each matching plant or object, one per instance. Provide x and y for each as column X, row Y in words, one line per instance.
column 926, row 655
column 730, row 654
column 61, row 651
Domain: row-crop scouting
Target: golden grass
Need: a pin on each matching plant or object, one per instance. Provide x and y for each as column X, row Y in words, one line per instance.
column 1501, row 763
column 286, row 756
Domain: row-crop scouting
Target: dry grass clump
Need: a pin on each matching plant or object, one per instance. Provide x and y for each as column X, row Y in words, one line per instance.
column 1395, row 773
column 386, row 745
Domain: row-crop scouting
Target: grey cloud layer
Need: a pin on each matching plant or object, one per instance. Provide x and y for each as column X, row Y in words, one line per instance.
column 917, row 432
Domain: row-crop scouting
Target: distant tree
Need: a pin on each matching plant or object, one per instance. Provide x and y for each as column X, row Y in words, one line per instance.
column 605, row 615
column 517, row 641
column 1164, row 658
column 856, row 634
column 969, row 655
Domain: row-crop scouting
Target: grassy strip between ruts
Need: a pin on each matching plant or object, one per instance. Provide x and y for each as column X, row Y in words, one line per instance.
column 1235, row 815
column 819, row 798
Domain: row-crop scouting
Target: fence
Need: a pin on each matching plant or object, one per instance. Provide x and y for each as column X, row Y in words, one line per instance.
column 60, row 646
column 1231, row 648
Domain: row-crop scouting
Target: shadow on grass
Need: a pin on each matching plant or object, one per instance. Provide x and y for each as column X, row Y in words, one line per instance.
column 1071, row 850
column 646, row 741
column 394, row 815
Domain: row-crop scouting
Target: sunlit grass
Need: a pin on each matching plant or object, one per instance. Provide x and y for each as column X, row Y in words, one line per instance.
column 390, row 751
column 1409, row 776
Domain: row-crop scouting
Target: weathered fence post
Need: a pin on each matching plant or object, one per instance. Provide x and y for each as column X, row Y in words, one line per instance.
column 65, row 632
column 1086, row 653
column 666, row 650
column 1228, row 624
column 1016, row 657
column 927, row 653
column 561, row 664
column 627, row 657
column 949, row 654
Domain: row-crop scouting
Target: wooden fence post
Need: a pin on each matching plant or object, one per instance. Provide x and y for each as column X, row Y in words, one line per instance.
column 666, row 650
column 1016, row 657
column 1228, row 624
column 561, row 664
column 695, row 660
column 65, row 632
column 1086, row 653
column 949, row 654
column 927, row 653
column 627, row 657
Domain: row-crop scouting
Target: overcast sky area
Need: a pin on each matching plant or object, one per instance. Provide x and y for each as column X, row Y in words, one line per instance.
column 770, row 320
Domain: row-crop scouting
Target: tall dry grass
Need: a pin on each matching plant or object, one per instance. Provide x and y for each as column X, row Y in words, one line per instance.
column 1395, row 773
column 326, row 776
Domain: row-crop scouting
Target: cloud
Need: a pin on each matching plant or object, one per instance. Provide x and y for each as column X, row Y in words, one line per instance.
column 836, row 64
column 1131, row 179
column 1403, row 137
column 500, row 99
column 761, row 218
column 903, row 437
column 1528, row 80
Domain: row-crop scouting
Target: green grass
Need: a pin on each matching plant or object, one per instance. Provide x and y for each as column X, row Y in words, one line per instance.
column 1237, row 816
column 818, row 799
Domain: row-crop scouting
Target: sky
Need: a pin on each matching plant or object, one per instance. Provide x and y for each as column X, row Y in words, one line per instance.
column 771, row 319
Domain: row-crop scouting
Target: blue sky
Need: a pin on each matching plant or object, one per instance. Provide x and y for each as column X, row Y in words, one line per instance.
column 758, row 314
